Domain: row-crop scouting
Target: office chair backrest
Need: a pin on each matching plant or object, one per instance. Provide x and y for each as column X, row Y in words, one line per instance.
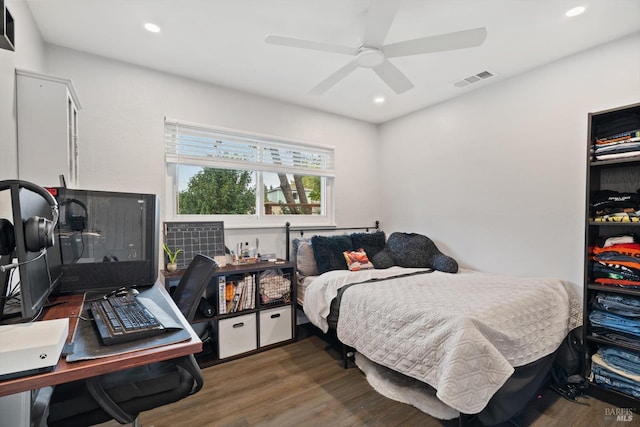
column 193, row 283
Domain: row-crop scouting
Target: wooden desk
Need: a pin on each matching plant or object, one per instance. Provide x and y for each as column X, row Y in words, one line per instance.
column 67, row 372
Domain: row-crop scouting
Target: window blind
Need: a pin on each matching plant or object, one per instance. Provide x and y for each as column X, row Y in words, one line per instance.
column 188, row 143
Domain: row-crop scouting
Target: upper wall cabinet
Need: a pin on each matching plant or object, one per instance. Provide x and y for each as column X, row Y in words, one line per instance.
column 7, row 30
column 47, row 113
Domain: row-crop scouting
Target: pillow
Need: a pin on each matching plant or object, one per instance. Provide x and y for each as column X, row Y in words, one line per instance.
column 372, row 243
column 357, row 260
column 294, row 248
column 416, row 251
column 328, row 252
column 305, row 261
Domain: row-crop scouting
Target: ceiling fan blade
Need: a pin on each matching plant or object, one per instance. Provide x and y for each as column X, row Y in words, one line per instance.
column 308, row 44
column 393, row 77
column 379, row 19
column 439, row 43
column 334, row 78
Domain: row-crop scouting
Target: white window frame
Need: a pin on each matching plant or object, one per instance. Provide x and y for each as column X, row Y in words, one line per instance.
column 173, row 157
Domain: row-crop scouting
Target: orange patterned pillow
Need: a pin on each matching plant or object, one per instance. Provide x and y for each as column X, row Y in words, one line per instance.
column 357, row 260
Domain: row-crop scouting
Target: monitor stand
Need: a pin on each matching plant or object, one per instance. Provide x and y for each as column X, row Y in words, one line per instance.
column 4, row 284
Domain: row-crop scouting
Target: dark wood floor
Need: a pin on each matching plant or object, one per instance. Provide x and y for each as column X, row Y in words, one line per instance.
column 304, row 384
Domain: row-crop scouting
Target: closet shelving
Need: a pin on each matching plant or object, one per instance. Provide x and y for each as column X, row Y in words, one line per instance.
column 621, row 175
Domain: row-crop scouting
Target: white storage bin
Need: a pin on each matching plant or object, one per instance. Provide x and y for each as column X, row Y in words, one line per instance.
column 237, row 335
column 275, row 325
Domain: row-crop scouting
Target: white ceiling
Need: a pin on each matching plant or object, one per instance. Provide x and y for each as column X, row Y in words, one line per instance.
column 222, row 42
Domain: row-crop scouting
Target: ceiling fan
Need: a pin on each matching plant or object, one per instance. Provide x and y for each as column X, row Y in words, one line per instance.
column 374, row 54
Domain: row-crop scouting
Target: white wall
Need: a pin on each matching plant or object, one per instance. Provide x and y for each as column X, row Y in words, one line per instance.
column 122, row 132
column 29, row 53
column 497, row 177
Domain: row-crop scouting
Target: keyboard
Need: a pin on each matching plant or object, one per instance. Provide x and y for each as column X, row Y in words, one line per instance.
column 123, row 318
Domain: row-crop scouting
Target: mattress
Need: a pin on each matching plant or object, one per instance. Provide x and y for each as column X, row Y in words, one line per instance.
column 302, row 283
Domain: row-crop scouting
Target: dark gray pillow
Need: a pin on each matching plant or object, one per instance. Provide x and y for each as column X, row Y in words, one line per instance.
column 328, row 252
column 417, row 251
column 382, row 259
column 372, row 243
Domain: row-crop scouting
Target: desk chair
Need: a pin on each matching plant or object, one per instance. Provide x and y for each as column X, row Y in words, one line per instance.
column 123, row 395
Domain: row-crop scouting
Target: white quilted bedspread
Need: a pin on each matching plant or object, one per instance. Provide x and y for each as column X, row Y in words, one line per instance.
column 460, row 333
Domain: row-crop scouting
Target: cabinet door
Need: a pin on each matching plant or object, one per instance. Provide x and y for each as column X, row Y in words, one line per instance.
column 237, row 335
column 47, row 114
column 72, row 141
column 275, row 325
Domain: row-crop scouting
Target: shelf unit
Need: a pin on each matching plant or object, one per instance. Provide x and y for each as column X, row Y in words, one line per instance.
column 622, row 175
column 265, row 320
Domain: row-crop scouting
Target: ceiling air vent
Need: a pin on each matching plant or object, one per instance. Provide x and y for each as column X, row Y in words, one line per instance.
column 472, row 79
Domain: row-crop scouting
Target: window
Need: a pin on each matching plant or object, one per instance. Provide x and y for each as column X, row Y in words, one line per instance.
column 244, row 178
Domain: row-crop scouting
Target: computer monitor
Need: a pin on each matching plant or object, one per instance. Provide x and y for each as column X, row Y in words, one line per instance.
column 40, row 270
column 107, row 239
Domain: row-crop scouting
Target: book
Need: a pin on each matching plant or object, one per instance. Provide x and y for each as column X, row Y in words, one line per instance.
column 236, row 298
column 222, row 302
column 243, row 296
column 249, row 301
column 253, row 292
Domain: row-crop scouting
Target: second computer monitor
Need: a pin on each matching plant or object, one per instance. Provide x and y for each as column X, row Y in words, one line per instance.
column 107, row 239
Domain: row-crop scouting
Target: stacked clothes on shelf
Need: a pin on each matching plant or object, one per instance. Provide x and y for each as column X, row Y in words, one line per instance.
column 617, row 318
column 621, row 145
column 614, row 206
column 616, row 261
column 617, row 369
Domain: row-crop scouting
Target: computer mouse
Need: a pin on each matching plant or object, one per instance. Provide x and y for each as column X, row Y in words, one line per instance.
column 127, row 291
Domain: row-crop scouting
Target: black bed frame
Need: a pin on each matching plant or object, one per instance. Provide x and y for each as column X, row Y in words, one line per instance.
column 301, row 230
column 348, row 352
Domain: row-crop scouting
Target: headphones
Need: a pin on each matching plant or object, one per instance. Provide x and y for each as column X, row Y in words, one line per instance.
column 38, row 231
column 75, row 221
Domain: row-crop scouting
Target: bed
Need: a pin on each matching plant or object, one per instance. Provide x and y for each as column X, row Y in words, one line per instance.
column 483, row 342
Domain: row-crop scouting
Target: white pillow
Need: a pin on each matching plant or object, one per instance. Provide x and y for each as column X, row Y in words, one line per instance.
column 305, row 260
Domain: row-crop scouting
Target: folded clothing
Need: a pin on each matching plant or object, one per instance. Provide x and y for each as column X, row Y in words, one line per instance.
column 615, row 271
column 603, row 319
column 614, row 375
column 617, row 240
column 618, row 304
column 619, row 137
column 605, row 202
column 615, row 260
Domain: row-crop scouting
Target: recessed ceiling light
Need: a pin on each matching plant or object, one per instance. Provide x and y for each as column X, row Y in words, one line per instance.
column 379, row 99
column 153, row 28
column 575, row 11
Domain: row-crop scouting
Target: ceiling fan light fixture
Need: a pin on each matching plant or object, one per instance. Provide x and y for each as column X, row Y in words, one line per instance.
column 379, row 99
column 375, row 55
column 370, row 58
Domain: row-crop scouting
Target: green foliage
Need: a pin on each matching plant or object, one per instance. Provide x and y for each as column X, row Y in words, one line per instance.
column 313, row 182
column 172, row 255
column 219, row 191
